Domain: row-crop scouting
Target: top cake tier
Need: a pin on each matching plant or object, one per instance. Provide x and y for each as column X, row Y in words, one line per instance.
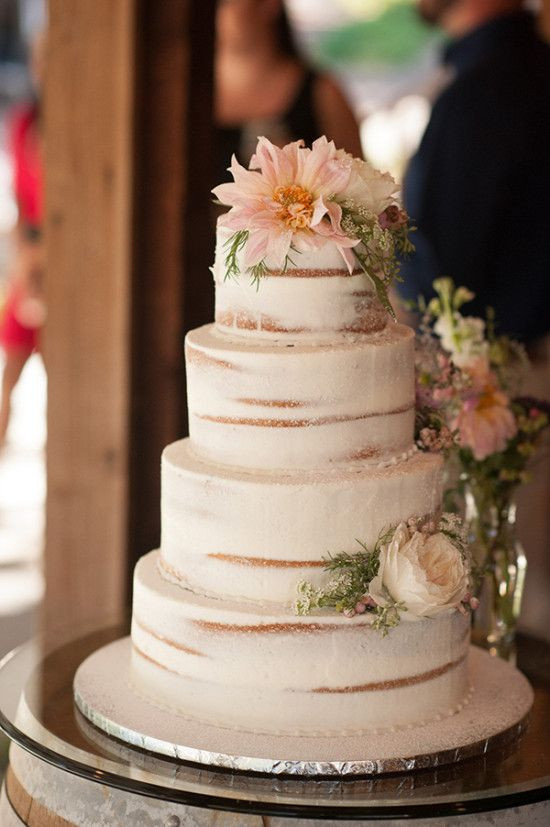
column 315, row 299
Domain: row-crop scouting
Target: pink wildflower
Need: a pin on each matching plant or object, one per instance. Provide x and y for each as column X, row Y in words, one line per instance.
column 485, row 422
column 286, row 198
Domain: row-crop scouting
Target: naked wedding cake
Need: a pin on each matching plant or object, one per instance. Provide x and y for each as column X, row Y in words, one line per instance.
column 306, row 582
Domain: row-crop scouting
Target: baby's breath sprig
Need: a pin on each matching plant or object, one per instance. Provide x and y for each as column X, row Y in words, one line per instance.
column 378, row 247
column 387, row 617
column 453, row 527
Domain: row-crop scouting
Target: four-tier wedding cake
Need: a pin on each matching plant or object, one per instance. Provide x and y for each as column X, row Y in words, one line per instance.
column 306, row 580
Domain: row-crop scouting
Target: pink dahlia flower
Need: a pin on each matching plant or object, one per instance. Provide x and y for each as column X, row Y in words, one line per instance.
column 286, row 199
column 485, row 422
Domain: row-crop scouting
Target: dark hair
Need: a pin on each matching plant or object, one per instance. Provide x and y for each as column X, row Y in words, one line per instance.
column 285, row 35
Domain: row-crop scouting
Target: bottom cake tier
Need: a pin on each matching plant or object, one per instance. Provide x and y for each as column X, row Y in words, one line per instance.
column 259, row 667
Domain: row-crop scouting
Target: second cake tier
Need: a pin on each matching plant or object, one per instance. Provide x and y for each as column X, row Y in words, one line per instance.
column 299, row 406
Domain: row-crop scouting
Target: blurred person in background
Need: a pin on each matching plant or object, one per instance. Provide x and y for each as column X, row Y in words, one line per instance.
column 263, row 86
column 24, row 310
column 478, row 191
column 477, row 188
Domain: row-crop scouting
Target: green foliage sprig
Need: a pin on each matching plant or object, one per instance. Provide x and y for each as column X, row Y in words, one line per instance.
column 349, row 585
column 234, row 245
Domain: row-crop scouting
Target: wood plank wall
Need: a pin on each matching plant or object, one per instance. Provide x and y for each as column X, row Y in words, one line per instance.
column 88, row 140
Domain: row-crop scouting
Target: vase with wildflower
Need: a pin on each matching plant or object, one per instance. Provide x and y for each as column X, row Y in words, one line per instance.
column 467, row 392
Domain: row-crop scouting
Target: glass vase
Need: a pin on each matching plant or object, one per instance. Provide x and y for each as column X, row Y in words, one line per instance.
column 500, row 563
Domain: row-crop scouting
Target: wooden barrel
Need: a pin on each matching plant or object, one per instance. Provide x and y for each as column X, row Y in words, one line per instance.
column 39, row 795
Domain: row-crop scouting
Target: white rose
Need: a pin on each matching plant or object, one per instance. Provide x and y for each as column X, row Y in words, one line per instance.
column 425, row 572
column 463, row 338
column 368, row 186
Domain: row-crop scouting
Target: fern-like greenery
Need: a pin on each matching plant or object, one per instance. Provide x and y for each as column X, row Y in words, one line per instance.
column 234, row 245
column 353, row 573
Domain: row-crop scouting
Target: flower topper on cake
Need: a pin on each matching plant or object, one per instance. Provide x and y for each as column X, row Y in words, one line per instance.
column 297, row 198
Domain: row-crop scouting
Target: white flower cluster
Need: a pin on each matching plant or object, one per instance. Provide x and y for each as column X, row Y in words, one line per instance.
column 463, row 337
column 367, row 187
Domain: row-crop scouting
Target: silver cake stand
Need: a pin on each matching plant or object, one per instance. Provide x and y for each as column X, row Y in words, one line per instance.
column 497, row 713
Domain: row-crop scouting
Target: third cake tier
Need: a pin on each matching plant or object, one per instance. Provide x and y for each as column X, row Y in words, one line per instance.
column 253, row 535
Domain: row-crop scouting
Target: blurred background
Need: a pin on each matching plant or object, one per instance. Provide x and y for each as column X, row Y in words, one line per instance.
column 118, row 98
column 385, row 60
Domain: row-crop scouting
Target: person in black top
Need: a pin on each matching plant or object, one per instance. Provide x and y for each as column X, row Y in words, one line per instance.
column 263, row 87
column 478, row 188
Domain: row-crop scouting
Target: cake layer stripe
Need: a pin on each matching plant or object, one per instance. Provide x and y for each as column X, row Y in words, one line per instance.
column 179, row 646
column 238, row 560
column 160, row 665
column 396, row 683
column 268, row 628
column 365, row 322
column 195, row 356
column 274, row 403
column 300, row 423
column 303, row 273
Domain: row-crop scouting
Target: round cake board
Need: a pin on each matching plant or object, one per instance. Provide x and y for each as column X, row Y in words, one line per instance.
column 496, row 713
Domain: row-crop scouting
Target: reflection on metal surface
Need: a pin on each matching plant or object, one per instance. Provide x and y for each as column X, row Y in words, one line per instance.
column 514, row 774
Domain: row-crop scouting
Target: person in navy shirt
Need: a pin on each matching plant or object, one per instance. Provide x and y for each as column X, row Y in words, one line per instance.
column 478, row 189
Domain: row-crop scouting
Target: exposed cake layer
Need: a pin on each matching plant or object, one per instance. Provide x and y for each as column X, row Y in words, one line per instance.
column 262, row 669
column 253, row 536
column 276, row 406
column 314, row 298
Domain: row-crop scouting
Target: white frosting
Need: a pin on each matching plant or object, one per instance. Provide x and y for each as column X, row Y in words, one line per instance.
column 315, row 298
column 301, row 422
column 275, row 406
column 259, row 667
column 214, row 518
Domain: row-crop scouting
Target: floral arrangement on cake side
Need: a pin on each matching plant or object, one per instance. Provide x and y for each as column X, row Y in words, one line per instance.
column 468, row 405
column 417, row 569
column 296, row 198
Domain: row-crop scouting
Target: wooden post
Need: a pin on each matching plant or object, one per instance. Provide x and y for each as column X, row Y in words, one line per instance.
column 88, row 158
column 129, row 242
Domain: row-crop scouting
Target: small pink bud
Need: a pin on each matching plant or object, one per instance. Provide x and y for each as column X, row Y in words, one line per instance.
column 534, row 412
column 348, row 612
column 360, row 608
column 392, row 217
column 474, row 603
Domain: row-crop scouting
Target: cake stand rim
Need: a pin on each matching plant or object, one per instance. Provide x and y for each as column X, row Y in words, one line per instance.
column 278, row 766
